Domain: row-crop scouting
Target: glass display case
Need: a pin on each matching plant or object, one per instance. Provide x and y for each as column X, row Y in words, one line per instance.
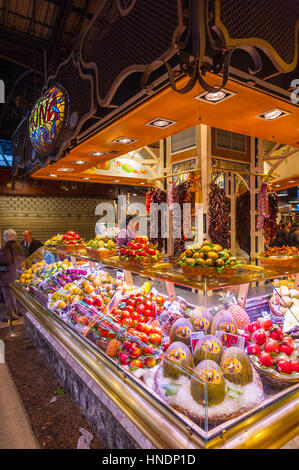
column 208, row 357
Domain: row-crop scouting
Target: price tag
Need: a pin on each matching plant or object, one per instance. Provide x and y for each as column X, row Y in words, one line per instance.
column 195, row 336
column 92, row 265
column 228, row 339
column 128, row 277
column 120, row 275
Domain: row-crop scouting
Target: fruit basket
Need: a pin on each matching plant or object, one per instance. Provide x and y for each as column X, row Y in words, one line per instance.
column 140, row 252
column 207, row 272
column 273, row 377
column 279, row 261
column 280, row 257
column 69, row 248
column 209, row 260
column 101, row 253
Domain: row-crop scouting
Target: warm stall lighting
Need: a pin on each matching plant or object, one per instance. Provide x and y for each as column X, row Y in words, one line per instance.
column 214, row 98
column 161, row 123
column 116, row 181
column 86, row 178
column 65, row 169
column 80, row 162
column 97, row 154
column 124, row 140
column 53, row 175
column 272, row 114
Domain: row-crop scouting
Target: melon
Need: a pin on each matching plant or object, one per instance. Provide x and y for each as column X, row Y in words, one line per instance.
column 236, row 366
column 207, row 386
column 225, row 322
column 208, row 347
column 201, row 320
column 181, row 330
column 177, row 361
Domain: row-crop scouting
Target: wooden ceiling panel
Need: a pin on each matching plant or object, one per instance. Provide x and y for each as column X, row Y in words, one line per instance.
column 237, row 114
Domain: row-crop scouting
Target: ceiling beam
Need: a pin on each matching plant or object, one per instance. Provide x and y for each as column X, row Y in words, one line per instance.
column 64, row 12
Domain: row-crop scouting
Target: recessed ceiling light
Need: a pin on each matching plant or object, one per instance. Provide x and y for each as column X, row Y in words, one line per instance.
column 124, row 140
column 141, row 183
column 215, row 98
column 80, row 162
column 272, row 114
column 277, row 185
column 292, row 181
column 161, row 123
column 86, row 178
column 65, row 169
column 134, row 194
column 53, row 175
column 116, row 181
column 97, row 154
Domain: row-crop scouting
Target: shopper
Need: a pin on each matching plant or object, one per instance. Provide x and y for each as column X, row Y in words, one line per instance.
column 29, row 244
column 128, row 233
column 11, row 257
column 281, row 238
column 294, row 235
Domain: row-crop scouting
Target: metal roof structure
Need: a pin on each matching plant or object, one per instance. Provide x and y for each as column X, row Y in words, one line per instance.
column 35, row 35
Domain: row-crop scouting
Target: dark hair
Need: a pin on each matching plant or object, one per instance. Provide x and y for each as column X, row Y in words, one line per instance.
column 129, row 218
column 282, row 225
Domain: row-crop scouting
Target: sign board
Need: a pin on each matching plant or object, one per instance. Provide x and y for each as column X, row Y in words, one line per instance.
column 47, row 119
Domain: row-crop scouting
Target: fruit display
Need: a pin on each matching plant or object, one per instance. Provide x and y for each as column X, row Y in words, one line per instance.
column 69, row 241
column 209, row 259
column 140, row 250
column 274, row 354
column 217, row 384
column 101, row 247
column 163, row 338
column 285, row 256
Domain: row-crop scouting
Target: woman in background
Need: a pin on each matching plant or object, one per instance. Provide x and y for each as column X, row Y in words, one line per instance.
column 127, row 234
column 11, row 257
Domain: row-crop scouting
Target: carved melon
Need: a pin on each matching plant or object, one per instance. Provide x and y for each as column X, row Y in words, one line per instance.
column 177, row 361
column 208, row 347
column 181, row 330
column 207, row 386
column 236, row 366
column 201, row 320
column 224, row 321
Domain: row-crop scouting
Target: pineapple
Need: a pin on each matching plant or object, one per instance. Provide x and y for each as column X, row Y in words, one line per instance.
column 113, row 348
column 239, row 314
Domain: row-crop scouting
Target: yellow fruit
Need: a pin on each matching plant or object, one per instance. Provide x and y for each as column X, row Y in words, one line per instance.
column 112, row 348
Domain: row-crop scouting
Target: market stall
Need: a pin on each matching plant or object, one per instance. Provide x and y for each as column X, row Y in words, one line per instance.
column 155, row 362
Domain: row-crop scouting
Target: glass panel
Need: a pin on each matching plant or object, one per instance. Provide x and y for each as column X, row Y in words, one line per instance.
column 184, row 340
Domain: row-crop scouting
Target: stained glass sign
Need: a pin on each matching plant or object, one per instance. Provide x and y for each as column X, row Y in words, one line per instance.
column 47, row 119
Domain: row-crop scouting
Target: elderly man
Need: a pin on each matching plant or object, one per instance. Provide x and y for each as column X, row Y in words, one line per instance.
column 29, row 244
column 11, row 257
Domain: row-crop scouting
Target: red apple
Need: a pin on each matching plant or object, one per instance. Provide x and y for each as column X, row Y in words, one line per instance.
column 266, row 359
column 265, row 323
column 124, row 359
column 253, row 349
column 259, row 336
column 143, row 337
column 284, row 366
column 247, row 337
column 286, row 349
column 148, row 350
column 277, row 334
column 272, row 346
column 251, row 327
column 295, row 365
column 135, row 351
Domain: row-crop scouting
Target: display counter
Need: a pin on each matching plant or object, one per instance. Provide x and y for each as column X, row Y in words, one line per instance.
column 162, row 360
